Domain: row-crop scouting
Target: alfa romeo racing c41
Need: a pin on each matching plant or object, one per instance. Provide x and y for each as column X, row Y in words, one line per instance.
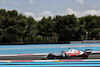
column 68, row 54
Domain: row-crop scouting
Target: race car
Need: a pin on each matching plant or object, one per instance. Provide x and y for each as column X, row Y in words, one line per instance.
column 68, row 54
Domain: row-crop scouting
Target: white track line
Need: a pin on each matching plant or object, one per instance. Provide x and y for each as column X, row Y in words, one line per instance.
column 91, row 60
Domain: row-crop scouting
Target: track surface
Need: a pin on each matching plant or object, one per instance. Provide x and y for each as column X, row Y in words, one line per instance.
column 26, row 49
column 38, row 57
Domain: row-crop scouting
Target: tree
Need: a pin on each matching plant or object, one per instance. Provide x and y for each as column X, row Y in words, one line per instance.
column 45, row 27
column 15, row 27
column 65, row 27
column 12, row 13
column 31, row 33
column 3, row 12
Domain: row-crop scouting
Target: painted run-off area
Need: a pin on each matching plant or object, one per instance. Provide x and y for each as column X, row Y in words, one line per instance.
column 27, row 49
column 46, row 48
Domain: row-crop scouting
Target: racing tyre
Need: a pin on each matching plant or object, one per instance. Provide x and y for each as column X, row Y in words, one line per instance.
column 50, row 56
column 84, row 56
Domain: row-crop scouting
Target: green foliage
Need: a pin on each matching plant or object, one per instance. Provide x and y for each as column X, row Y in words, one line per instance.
column 65, row 27
column 45, row 27
column 39, row 38
column 16, row 27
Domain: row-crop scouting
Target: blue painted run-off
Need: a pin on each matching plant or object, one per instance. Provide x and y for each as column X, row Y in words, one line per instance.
column 27, row 49
column 49, row 64
column 45, row 50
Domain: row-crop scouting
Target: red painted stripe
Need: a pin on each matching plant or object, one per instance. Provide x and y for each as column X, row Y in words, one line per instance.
column 88, row 46
column 72, row 60
column 72, row 46
column 96, row 52
column 24, row 54
column 22, row 60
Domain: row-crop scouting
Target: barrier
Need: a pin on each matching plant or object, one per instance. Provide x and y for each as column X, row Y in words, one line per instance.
column 91, row 41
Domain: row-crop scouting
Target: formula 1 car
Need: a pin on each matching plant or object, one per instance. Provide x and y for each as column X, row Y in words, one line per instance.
column 68, row 54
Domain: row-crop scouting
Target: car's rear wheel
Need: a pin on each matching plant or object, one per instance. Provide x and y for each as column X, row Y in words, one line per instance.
column 84, row 56
column 50, row 56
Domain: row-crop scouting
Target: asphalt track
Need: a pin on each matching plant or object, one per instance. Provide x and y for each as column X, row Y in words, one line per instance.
column 38, row 57
column 26, row 49
column 48, row 64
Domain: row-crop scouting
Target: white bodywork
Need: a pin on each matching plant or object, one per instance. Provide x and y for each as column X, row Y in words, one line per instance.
column 73, row 52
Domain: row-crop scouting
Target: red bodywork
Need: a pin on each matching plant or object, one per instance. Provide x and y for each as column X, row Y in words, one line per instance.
column 73, row 52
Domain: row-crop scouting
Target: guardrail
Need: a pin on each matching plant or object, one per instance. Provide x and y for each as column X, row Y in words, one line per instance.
column 91, row 41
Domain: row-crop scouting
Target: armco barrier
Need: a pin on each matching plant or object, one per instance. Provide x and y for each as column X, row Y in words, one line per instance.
column 91, row 41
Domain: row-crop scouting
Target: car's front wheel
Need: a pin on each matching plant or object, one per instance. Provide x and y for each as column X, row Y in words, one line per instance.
column 50, row 56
